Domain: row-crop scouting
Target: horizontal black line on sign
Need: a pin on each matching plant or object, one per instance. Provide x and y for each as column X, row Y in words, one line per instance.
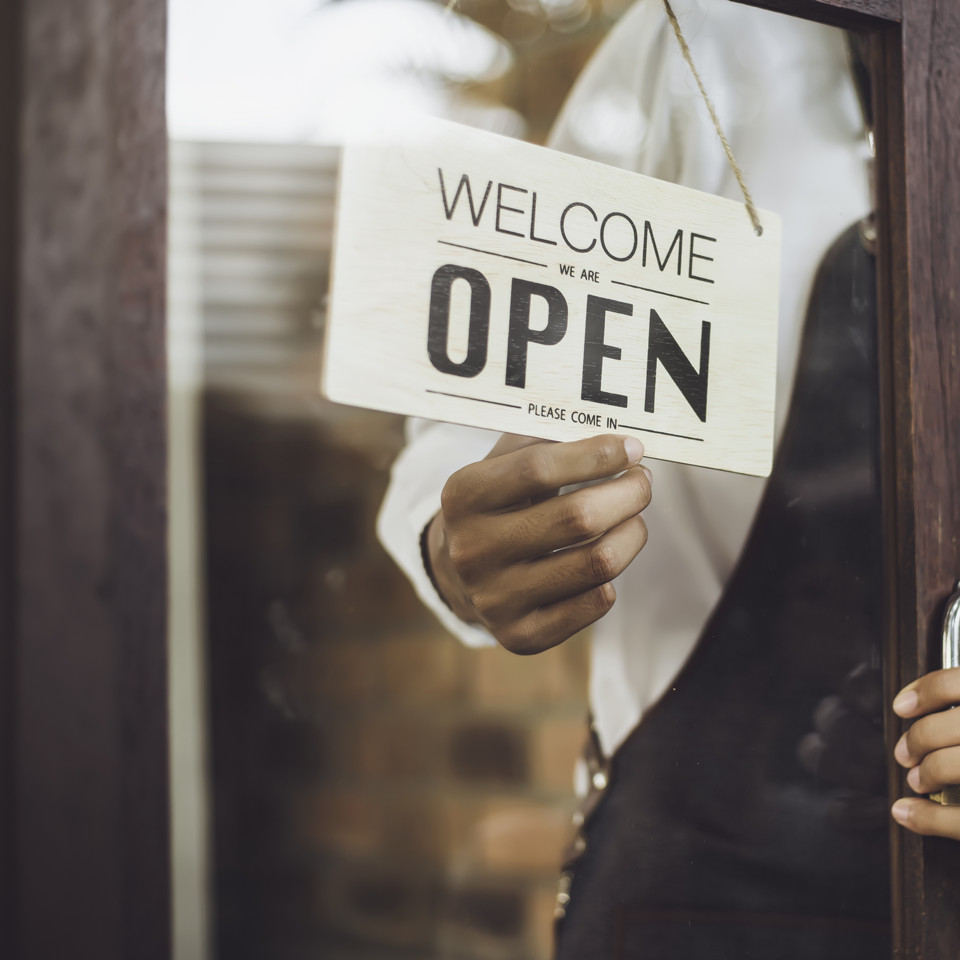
column 506, row 256
column 663, row 293
column 663, row 433
column 460, row 396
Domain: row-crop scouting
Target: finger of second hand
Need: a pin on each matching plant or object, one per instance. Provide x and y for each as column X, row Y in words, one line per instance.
column 938, row 769
column 927, row 818
column 933, row 691
column 929, row 733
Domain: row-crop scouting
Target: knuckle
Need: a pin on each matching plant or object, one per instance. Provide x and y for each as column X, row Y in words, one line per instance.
column 932, row 772
column 463, row 555
column 644, row 490
column 492, row 606
column 482, row 606
column 609, row 456
column 534, row 467
column 642, row 528
column 455, row 552
column 917, row 741
column 452, row 494
column 604, row 562
column 477, row 599
column 944, row 687
column 911, row 740
column 601, row 600
column 519, row 637
column 943, row 766
column 578, row 518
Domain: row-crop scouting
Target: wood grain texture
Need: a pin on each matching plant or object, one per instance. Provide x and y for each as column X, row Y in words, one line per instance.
column 559, row 298
column 918, row 143
column 895, row 404
column 839, row 13
column 92, row 853
column 9, row 194
column 931, row 77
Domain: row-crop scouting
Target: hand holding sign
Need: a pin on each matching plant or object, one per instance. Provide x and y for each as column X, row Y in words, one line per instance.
column 532, row 565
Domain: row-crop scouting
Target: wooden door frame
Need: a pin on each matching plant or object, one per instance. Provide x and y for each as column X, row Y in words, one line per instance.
column 916, row 104
column 84, row 789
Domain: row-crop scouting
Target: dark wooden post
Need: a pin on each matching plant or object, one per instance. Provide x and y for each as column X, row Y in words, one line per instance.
column 920, row 265
column 83, row 748
column 918, row 148
column 9, row 192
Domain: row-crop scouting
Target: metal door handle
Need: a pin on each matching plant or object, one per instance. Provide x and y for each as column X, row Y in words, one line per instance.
column 950, row 796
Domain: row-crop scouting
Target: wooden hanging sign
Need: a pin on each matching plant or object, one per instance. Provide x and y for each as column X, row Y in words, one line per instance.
column 486, row 281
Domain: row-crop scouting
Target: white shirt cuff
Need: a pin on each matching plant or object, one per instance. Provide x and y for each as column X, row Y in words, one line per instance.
column 412, row 500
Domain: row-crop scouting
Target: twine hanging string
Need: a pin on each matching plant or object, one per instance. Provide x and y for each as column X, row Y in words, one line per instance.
column 734, row 166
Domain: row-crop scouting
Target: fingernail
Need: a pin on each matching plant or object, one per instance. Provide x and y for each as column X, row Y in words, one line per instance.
column 901, row 811
column 901, row 753
column 913, row 778
column 634, row 449
column 647, row 472
column 905, row 702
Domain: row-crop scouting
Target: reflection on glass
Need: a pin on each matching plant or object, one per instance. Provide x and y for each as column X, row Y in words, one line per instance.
column 376, row 789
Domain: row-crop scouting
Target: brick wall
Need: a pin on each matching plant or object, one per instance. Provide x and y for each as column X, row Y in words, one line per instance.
column 379, row 790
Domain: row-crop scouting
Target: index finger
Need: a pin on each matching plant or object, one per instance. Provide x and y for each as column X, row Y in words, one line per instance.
column 532, row 471
column 509, row 442
column 927, row 818
column 933, row 691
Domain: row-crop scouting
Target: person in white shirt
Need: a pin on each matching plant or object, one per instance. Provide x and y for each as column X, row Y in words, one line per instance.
column 784, row 96
column 479, row 523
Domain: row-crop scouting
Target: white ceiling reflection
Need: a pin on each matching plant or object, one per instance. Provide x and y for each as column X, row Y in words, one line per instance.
column 324, row 72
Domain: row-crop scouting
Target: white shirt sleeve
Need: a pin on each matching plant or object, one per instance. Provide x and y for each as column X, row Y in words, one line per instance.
column 433, row 452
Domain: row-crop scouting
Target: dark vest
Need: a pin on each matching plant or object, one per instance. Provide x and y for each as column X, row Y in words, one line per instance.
column 730, row 829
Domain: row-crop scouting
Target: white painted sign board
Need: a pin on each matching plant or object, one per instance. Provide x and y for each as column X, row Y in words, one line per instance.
column 486, row 281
